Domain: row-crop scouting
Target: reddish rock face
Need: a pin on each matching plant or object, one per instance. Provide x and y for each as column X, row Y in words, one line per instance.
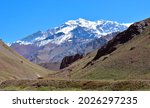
column 69, row 59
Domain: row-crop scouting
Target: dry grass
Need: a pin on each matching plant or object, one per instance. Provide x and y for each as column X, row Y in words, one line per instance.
column 73, row 85
column 14, row 66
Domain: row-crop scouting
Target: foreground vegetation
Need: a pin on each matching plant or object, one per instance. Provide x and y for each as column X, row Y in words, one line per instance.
column 74, row 85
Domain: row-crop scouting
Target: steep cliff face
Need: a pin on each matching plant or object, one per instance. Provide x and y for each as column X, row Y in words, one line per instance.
column 69, row 59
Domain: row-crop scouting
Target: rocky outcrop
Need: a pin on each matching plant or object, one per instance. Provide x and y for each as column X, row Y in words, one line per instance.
column 69, row 59
column 134, row 30
column 123, row 37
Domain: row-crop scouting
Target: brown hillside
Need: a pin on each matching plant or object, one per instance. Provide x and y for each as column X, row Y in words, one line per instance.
column 14, row 66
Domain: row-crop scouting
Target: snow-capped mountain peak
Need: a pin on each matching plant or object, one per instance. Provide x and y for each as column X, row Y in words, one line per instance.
column 73, row 29
column 81, row 22
column 75, row 36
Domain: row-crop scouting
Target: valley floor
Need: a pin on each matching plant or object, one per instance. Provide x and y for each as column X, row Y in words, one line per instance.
column 75, row 85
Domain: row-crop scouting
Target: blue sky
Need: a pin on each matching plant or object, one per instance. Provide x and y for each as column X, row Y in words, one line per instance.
column 19, row 18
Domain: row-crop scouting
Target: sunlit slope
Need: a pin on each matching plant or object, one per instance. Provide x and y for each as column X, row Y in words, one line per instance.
column 14, row 66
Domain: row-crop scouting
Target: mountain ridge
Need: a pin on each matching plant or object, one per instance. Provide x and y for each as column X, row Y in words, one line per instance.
column 125, row 57
column 127, row 67
column 73, row 24
column 73, row 37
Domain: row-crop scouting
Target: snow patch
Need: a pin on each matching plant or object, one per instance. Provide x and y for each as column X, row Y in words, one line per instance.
column 23, row 42
column 62, row 39
column 44, row 42
column 127, row 24
column 66, row 30
column 83, row 23
column 8, row 44
column 40, row 38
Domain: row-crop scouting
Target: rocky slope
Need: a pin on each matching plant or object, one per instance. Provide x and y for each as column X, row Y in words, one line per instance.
column 131, row 32
column 74, row 37
column 126, row 57
column 69, row 59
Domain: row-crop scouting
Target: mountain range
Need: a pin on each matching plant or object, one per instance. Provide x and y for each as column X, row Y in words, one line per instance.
column 123, row 63
column 73, row 37
column 125, row 57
